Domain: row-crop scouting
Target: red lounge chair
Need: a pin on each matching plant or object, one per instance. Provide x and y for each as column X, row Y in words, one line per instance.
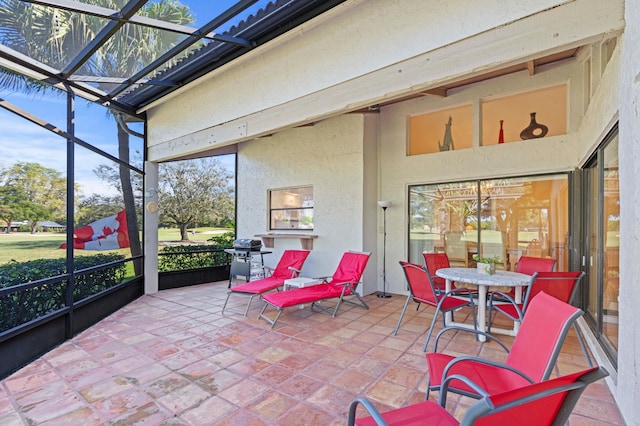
column 532, row 357
column 561, row 285
column 546, row 403
column 423, row 290
column 343, row 283
column 289, row 266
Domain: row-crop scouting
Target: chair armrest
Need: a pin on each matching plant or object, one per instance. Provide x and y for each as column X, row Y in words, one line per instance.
column 294, row 271
column 268, row 270
column 375, row 414
column 324, row 279
column 508, row 299
column 495, row 364
column 444, row 388
column 468, row 330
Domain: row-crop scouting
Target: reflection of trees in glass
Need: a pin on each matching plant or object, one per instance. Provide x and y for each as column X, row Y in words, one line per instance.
column 444, row 207
column 421, row 212
column 33, row 193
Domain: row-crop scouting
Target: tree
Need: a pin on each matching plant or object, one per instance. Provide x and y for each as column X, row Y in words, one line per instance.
column 28, row 29
column 12, row 205
column 96, row 206
column 194, row 190
column 35, row 192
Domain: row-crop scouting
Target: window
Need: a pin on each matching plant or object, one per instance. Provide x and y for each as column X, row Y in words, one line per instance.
column 506, row 218
column 291, row 208
column 445, row 130
column 516, row 114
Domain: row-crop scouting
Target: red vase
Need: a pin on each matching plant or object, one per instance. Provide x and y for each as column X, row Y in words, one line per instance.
column 501, row 135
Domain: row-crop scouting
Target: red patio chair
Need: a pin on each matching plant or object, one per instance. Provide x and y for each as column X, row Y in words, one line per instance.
column 561, row 285
column 343, row 283
column 433, row 262
column 531, row 359
column 422, row 290
column 288, row 266
column 530, row 265
column 546, row 403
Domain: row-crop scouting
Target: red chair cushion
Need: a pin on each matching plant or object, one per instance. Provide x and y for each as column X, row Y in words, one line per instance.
column 309, row 294
column 258, row 286
column 490, row 378
column 350, row 268
column 290, row 258
column 423, row 413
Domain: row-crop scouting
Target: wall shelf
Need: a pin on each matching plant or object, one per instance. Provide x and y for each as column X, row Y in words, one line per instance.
column 306, row 240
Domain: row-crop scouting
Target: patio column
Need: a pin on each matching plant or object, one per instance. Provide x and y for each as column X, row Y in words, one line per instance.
column 628, row 387
column 151, row 228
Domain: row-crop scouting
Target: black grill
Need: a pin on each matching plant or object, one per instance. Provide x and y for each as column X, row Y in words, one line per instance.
column 247, row 244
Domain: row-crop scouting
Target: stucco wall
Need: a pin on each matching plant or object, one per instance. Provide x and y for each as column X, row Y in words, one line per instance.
column 398, row 171
column 330, row 156
column 325, row 67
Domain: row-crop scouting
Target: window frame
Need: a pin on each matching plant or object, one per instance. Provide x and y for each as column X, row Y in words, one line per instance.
column 297, row 209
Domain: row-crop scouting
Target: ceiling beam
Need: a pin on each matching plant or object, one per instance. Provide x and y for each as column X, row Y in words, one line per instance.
column 440, row 92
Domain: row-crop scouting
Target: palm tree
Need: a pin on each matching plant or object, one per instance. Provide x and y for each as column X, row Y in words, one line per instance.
column 54, row 36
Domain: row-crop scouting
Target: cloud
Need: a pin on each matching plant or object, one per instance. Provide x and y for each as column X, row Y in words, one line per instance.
column 23, row 141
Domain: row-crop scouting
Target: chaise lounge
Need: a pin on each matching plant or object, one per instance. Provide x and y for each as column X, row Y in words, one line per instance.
column 343, row 283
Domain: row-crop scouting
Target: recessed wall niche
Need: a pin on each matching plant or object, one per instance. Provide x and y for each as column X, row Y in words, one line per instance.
column 445, row 130
column 547, row 106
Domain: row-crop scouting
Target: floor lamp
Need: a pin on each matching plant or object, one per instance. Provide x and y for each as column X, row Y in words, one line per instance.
column 384, row 205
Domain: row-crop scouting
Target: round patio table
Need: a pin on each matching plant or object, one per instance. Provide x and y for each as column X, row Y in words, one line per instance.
column 483, row 282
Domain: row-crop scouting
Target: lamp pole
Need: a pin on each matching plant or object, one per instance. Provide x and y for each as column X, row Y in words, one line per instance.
column 384, row 205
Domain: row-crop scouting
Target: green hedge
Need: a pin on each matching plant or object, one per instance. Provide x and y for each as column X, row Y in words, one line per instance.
column 179, row 258
column 25, row 305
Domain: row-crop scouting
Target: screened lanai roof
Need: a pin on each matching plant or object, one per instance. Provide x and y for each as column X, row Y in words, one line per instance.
column 125, row 55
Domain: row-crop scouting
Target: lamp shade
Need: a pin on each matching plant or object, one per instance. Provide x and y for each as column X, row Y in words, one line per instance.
column 384, row 204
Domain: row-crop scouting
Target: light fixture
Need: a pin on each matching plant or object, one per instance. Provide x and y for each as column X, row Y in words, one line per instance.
column 384, row 205
column 152, row 207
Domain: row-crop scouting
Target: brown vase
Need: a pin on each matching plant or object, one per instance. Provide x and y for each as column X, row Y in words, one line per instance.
column 534, row 129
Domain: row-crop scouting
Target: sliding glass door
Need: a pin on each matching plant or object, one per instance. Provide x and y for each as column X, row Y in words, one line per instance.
column 503, row 218
column 601, row 248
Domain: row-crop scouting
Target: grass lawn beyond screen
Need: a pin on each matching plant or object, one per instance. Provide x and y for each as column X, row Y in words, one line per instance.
column 24, row 246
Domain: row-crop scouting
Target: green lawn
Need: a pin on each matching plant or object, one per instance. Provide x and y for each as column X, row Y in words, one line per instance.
column 23, row 246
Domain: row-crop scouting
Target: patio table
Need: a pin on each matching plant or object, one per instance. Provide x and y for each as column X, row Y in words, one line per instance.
column 483, row 282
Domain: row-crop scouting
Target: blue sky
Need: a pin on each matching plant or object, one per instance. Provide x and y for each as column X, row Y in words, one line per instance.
column 21, row 140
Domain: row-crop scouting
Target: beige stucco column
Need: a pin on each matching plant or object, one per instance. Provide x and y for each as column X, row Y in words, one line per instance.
column 151, row 228
column 628, row 389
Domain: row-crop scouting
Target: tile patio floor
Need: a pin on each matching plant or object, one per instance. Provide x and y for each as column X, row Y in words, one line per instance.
column 171, row 358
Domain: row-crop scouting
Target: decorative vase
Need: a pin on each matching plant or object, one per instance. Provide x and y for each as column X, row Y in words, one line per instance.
column 486, row 268
column 501, row 134
column 534, row 129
